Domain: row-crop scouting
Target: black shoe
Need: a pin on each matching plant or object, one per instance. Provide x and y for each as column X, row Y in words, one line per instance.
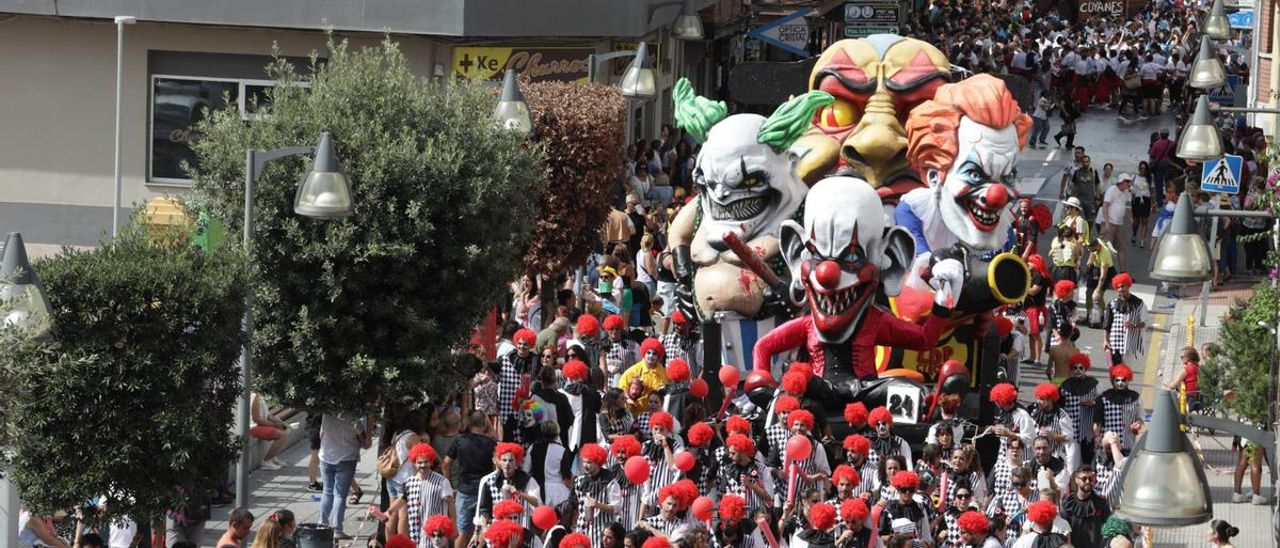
column 315, row 486
column 1057, row 139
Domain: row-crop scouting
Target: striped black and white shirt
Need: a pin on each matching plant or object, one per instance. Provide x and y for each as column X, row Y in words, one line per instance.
column 729, row 482
column 491, row 491
column 603, row 489
column 631, row 495
column 661, row 471
column 661, row 524
column 426, row 497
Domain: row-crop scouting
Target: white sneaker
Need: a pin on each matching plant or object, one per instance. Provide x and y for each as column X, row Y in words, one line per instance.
column 268, row 465
column 278, row 462
column 1261, row 500
column 1239, row 497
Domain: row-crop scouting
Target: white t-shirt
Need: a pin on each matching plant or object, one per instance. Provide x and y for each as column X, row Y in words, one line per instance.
column 1149, row 71
column 338, row 440
column 1117, row 203
column 1141, row 187
column 407, row 469
column 122, row 534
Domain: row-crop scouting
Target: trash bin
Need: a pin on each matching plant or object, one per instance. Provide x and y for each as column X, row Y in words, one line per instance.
column 315, row 535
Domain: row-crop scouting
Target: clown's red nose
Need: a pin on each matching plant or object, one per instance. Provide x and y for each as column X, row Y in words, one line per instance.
column 997, row 196
column 828, row 274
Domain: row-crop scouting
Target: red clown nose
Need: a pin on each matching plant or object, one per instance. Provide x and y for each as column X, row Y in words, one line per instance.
column 828, row 274
column 997, row 196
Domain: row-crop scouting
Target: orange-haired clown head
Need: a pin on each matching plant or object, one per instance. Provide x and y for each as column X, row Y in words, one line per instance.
column 876, row 82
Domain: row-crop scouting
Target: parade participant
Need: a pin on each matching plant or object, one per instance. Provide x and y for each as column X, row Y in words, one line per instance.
column 507, row 482
column 439, row 531
column 427, row 492
column 675, row 394
column 619, row 350
column 975, row 530
column 854, row 529
column 506, row 533
column 856, row 455
column 951, row 536
column 946, row 433
column 550, row 464
column 597, row 493
column 904, row 506
column 514, row 369
column 1124, row 320
column 1079, row 393
column 1065, row 253
column 1011, row 420
column 856, row 415
column 886, row 444
column 1085, row 510
column 777, row 434
column 795, row 513
column 586, row 336
column 1053, row 423
column 888, row 468
column 1021, row 494
column 682, row 342
column 845, row 479
column 734, row 529
column 631, row 494
column 552, row 536
column 743, row 476
column 585, row 403
column 963, row 469
column 660, row 450
column 650, row 371
column 814, row 469
column 1034, row 305
column 1041, row 515
column 698, row 438
column 673, row 500
column 822, row 521
column 1062, row 313
column 1046, row 464
column 1121, row 409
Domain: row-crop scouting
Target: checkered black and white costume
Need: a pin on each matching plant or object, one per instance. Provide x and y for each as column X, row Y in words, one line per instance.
column 1108, row 486
column 729, row 483
column 883, row 448
column 1073, row 391
column 1011, row 504
column 1056, row 420
column 425, row 497
column 666, row 527
column 1120, row 408
column 624, row 352
column 776, row 436
column 602, row 488
column 1126, row 341
column 510, row 376
column 976, row 483
column 817, row 462
column 999, row 478
column 950, row 519
column 490, row 492
column 1019, row 421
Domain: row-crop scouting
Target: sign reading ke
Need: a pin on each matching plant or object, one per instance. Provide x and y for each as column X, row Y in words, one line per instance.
column 535, row 63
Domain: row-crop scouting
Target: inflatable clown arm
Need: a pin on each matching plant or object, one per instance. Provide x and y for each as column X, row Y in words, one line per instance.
column 905, row 217
column 787, row 336
column 900, row 333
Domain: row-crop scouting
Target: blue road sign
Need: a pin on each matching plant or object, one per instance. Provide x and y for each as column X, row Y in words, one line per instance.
column 1221, row 175
column 789, row 32
column 1242, row 19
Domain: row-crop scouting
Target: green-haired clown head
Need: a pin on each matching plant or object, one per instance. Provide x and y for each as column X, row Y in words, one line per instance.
column 792, row 119
column 696, row 114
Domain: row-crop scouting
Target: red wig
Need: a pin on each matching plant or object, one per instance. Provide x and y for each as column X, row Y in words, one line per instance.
column 677, row 370
column 1036, row 262
column 1082, row 359
column 526, row 336
column 1004, row 326
column 1121, row 279
column 654, row 345
column 588, row 325
column 507, row 509
column 1047, row 391
column 856, row 414
column 854, row 510
column 803, row 368
column 1064, row 290
column 794, row 383
column 1121, row 371
column 845, row 472
column 905, row 479
column 502, row 532
column 657, row 542
column 1004, row 394
column 613, row 321
column 515, row 449
column 1042, row 512
column 662, row 419
column 685, row 492
column 440, row 523
column 879, row 415
column 592, row 452
column 973, row 522
column 700, row 434
column 732, row 508
column 420, row 450
column 857, row 443
column 574, row 370
column 741, row 444
column 679, row 318
column 786, row 404
column 625, row 447
column 737, row 425
column 575, row 540
column 801, row 416
column 822, row 516
column 399, row 541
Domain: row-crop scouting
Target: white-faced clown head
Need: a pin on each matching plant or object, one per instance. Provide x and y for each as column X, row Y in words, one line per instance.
column 746, row 177
column 964, row 142
column 843, row 254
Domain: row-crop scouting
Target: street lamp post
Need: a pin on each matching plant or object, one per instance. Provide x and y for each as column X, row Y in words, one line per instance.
column 121, row 21
column 324, row 193
column 511, row 112
column 638, row 82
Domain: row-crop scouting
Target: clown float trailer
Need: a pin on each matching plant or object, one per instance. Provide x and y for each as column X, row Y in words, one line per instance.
column 862, row 227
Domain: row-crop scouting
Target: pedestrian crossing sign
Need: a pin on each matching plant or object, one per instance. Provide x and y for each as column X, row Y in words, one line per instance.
column 1221, row 175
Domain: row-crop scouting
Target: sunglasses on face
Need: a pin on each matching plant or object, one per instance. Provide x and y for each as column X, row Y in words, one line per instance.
column 963, row 495
column 548, row 356
column 907, row 490
column 1018, row 483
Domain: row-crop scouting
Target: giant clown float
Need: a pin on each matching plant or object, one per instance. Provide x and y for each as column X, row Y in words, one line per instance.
column 862, row 228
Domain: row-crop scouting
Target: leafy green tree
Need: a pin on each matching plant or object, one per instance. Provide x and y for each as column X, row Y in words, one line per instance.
column 445, row 203
column 133, row 397
column 1243, row 358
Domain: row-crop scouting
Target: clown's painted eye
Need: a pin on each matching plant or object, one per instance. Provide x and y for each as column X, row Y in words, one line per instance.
column 836, row 115
column 753, row 179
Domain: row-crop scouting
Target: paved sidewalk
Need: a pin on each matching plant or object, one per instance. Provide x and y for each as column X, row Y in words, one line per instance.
column 287, row 489
column 1254, row 521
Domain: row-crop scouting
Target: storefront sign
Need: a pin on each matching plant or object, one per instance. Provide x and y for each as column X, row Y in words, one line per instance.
column 1112, row 8
column 851, row 31
column 534, row 63
column 871, row 14
column 789, row 32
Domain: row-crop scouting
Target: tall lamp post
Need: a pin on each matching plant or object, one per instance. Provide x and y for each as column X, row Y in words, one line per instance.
column 638, row 82
column 121, row 21
column 324, row 193
column 26, row 306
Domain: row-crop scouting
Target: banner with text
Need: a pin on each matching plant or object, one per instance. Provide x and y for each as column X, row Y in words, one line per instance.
column 534, row 63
